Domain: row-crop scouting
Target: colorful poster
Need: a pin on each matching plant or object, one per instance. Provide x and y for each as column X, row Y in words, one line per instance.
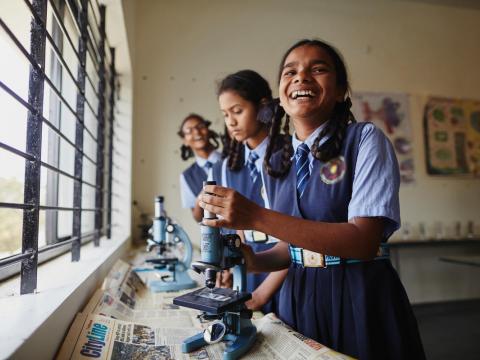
column 452, row 134
column 389, row 112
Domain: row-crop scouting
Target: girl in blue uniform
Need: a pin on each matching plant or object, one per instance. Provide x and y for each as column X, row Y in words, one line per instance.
column 201, row 142
column 334, row 202
column 245, row 99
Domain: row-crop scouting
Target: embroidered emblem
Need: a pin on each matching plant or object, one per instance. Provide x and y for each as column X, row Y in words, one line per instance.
column 333, row 171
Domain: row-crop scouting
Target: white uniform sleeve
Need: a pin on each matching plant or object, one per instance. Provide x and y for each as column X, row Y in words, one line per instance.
column 186, row 194
column 376, row 181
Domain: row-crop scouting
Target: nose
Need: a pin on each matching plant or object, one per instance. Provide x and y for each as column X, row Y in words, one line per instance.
column 303, row 76
column 230, row 121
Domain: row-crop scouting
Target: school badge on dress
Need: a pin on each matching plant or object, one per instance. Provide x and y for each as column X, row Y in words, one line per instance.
column 333, row 171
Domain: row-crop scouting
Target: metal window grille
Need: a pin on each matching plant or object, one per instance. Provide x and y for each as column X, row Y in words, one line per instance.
column 70, row 36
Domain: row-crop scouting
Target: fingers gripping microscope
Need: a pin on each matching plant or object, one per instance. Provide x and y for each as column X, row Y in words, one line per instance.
column 169, row 238
column 226, row 306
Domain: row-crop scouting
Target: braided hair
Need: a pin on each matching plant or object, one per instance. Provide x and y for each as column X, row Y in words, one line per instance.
column 337, row 126
column 252, row 87
column 186, row 152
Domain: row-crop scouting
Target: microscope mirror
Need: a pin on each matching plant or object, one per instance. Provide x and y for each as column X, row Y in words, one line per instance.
column 214, row 332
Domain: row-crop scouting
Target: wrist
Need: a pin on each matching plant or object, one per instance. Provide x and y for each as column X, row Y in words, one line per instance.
column 259, row 218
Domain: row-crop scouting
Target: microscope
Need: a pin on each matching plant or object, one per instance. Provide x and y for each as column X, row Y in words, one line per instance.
column 232, row 320
column 169, row 238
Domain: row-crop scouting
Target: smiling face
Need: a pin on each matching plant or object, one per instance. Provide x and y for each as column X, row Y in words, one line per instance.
column 241, row 118
column 308, row 85
column 195, row 134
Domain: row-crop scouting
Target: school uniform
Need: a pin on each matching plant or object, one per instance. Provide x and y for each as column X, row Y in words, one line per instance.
column 359, row 308
column 248, row 182
column 191, row 180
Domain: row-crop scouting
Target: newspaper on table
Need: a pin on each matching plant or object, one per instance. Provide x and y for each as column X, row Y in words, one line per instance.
column 101, row 337
column 125, row 321
column 165, row 312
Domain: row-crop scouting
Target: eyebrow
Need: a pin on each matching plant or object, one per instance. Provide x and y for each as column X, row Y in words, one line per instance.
column 314, row 62
column 231, row 107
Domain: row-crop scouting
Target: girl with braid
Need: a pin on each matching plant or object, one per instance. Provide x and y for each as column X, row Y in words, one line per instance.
column 245, row 99
column 333, row 202
column 199, row 142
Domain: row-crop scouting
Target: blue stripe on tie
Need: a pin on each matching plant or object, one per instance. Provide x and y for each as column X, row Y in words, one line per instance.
column 252, row 168
column 303, row 171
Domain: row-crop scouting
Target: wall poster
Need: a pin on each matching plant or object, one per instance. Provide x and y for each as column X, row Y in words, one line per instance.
column 452, row 136
column 389, row 112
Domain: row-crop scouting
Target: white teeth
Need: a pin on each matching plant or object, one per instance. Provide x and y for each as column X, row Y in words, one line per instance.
column 298, row 93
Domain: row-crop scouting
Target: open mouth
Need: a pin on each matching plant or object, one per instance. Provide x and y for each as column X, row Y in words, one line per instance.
column 302, row 94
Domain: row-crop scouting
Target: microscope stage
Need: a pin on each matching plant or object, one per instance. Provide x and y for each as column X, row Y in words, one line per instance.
column 216, row 301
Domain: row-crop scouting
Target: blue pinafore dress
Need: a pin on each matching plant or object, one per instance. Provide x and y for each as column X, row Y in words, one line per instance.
column 194, row 177
column 241, row 181
column 359, row 309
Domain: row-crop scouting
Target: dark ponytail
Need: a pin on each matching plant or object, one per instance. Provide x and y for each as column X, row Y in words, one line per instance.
column 336, row 126
column 186, row 152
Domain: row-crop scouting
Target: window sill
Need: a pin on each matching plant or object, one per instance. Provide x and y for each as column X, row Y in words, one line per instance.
column 33, row 326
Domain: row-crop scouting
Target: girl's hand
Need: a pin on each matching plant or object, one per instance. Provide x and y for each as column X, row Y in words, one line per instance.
column 256, row 302
column 249, row 256
column 237, row 212
column 224, row 279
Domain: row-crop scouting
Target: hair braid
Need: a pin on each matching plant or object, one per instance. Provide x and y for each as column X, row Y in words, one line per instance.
column 337, row 127
column 278, row 141
column 235, row 155
column 186, row 152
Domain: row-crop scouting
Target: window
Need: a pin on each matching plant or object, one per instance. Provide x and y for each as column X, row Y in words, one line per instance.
column 57, row 106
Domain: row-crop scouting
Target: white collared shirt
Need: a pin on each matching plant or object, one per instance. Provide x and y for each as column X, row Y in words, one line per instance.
column 260, row 150
column 187, row 195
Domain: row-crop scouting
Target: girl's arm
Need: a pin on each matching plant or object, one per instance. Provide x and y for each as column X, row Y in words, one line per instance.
column 266, row 290
column 359, row 238
column 197, row 211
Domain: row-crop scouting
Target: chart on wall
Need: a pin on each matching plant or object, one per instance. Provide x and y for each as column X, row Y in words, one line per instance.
column 389, row 112
column 452, row 133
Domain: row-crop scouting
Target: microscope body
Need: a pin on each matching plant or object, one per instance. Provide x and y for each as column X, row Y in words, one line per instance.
column 166, row 236
column 226, row 306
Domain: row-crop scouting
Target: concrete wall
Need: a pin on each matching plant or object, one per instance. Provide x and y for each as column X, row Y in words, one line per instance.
column 181, row 48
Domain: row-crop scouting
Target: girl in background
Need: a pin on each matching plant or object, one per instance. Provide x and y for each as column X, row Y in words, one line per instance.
column 201, row 142
column 333, row 196
column 245, row 99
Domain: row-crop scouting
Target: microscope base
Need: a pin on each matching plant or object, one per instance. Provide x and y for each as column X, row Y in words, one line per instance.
column 182, row 282
column 237, row 345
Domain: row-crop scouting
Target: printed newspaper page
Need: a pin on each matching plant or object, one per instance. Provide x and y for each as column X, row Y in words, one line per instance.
column 124, row 320
column 102, row 337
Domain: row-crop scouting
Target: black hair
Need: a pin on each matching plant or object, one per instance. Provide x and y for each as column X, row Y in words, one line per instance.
column 186, row 152
column 337, row 126
column 252, row 87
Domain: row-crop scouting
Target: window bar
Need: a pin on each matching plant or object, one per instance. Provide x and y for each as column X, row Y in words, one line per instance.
column 45, row 121
column 28, row 282
column 100, row 131
column 110, row 143
column 77, row 188
column 42, row 73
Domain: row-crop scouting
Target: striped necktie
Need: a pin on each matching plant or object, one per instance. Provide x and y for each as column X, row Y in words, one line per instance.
column 208, row 165
column 302, row 168
column 252, row 168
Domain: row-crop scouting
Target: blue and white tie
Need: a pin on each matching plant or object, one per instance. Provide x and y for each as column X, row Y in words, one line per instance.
column 208, row 165
column 302, row 168
column 252, row 168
